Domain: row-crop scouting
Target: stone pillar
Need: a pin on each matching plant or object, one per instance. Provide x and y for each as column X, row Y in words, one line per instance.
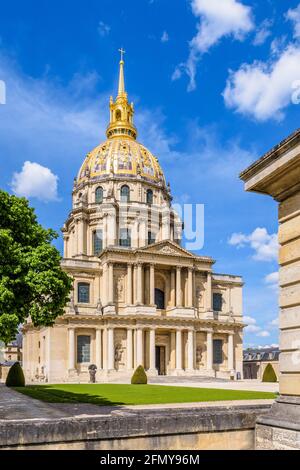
column 71, row 334
column 129, row 284
column 190, row 364
column 209, row 295
column 230, row 352
column 129, row 349
column 209, row 351
column 110, row 349
column 139, row 347
column 190, row 287
column 178, row 287
column 173, row 288
column 66, row 245
column 139, row 284
column 277, row 174
column 178, row 350
column 173, row 350
column 152, row 350
column 135, row 284
column 152, row 285
column 98, row 349
column 110, row 283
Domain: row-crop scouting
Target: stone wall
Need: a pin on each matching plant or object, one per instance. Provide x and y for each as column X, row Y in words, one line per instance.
column 228, row 427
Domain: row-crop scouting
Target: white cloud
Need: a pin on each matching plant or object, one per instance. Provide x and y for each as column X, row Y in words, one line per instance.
column 36, row 181
column 294, row 16
column 263, row 334
column 164, row 37
column 103, row 29
column 264, row 244
column 217, row 19
column 272, row 280
column 263, row 32
column 249, row 320
column 275, row 322
column 264, row 89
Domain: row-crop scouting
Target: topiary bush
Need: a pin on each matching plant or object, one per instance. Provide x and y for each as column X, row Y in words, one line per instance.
column 139, row 376
column 269, row 374
column 15, row 376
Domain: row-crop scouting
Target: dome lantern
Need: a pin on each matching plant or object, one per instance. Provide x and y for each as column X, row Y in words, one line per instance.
column 121, row 111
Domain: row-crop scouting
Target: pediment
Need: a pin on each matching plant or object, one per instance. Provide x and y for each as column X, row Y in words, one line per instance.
column 167, row 248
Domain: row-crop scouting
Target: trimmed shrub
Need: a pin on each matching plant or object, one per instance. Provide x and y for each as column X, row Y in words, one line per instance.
column 139, row 376
column 15, row 376
column 269, row 374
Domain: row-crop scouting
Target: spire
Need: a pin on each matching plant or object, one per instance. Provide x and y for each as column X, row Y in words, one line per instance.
column 121, row 111
column 121, row 89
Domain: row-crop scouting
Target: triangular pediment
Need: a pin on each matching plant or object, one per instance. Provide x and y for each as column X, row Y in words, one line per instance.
column 167, row 247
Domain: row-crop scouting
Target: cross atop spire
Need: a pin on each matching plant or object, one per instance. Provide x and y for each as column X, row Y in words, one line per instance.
column 122, row 52
column 121, row 89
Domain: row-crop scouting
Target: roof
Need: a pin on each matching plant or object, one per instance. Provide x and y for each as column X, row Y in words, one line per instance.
column 261, row 355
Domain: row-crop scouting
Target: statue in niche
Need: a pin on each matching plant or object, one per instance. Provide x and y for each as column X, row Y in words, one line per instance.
column 199, row 356
column 119, row 354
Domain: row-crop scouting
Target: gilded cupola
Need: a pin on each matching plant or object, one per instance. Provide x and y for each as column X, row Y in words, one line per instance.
column 121, row 156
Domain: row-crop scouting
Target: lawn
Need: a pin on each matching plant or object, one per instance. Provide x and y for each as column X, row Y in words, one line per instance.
column 120, row 394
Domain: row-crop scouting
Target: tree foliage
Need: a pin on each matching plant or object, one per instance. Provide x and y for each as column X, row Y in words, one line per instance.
column 139, row 376
column 32, row 282
column 15, row 376
column 269, row 374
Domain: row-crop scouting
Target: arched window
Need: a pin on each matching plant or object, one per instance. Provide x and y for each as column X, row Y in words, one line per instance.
column 118, row 115
column 151, row 238
column 149, row 196
column 83, row 293
column 97, row 242
column 125, row 193
column 160, row 299
column 99, row 195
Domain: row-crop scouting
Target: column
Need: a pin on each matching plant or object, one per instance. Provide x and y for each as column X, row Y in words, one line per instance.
column 178, row 350
column 230, row 352
column 135, row 284
column 173, row 350
column 209, row 293
column 98, row 348
column 190, row 350
column 152, row 285
column 66, row 245
column 129, row 284
column 129, row 349
column 178, row 287
column 110, row 349
column 173, row 299
column 190, row 287
column 71, row 333
column 139, row 346
column 152, row 350
column 110, row 283
column 139, row 283
column 104, row 296
column 209, row 350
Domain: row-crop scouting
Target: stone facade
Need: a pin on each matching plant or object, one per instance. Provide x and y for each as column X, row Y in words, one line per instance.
column 139, row 297
column 278, row 174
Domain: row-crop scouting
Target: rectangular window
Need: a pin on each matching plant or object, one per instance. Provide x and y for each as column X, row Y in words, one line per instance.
column 83, row 349
column 98, row 242
column 217, row 302
column 83, row 293
column 218, row 351
column 125, row 238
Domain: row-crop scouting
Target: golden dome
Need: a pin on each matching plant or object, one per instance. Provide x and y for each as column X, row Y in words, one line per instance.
column 121, row 157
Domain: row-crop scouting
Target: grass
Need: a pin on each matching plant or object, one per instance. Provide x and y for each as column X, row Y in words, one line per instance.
column 120, row 394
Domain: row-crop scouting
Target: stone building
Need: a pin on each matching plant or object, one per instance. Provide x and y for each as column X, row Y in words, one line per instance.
column 139, row 297
column 255, row 362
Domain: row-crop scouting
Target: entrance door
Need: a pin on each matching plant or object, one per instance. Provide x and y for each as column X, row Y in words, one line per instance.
column 160, row 359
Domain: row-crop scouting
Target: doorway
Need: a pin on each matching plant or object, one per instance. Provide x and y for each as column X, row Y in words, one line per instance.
column 160, row 359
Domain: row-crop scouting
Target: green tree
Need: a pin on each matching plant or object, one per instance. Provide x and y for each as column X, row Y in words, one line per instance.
column 269, row 374
column 32, row 282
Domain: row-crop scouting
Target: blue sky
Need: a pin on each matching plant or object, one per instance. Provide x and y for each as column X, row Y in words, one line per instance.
column 215, row 85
